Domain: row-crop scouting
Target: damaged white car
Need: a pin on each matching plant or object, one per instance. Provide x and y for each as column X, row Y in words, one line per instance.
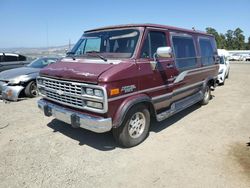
column 22, row 81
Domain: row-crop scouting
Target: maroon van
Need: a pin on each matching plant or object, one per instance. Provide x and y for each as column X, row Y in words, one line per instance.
column 119, row 78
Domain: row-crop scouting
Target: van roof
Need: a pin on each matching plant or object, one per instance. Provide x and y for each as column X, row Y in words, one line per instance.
column 148, row 25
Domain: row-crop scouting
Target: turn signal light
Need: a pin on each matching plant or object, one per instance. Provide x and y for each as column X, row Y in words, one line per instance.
column 115, row 91
column 9, row 93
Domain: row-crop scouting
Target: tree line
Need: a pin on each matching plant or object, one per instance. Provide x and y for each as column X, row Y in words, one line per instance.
column 231, row 40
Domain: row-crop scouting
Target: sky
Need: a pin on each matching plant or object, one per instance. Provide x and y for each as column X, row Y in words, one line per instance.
column 46, row 23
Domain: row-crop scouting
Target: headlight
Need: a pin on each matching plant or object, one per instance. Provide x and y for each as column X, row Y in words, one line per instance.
column 94, row 92
column 98, row 93
column 89, row 91
column 17, row 80
column 94, row 104
column 221, row 71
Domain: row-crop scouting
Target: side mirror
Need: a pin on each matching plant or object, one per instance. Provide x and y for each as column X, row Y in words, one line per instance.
column 164, row 51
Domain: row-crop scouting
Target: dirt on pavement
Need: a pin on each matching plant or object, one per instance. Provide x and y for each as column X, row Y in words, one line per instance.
column 202, row 146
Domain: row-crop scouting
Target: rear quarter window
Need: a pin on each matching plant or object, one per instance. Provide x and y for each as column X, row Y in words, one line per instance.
column 184, row 51
column 206, row 50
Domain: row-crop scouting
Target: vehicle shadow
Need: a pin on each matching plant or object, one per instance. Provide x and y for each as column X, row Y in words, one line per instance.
column 105, row 141
column 159, row 126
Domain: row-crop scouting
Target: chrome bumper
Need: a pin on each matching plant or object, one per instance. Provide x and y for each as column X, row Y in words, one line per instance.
column 10, row 92
column 98, row 125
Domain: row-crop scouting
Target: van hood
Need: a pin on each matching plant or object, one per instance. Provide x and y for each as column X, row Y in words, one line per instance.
column 85, row 70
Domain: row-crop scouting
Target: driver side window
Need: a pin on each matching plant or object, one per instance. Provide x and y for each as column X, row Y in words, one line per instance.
column 153, row 40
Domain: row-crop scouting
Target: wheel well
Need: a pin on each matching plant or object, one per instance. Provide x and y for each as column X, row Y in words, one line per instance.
column 211, row 82
column 150, row 107
column 123, row 114
column 26, row 83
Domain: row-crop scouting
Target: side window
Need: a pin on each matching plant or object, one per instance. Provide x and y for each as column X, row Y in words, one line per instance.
column 154, row 40
column 1, row 58
column 184, row 52
column 9, row 58
column 206, row 51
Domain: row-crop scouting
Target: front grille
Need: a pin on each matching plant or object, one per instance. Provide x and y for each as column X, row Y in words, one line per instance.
column 71, row 93
column 65, row 99
column 68, row 87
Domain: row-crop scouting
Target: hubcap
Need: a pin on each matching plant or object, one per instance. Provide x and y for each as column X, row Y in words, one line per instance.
column 33, row 89
column 206, row 93
column 136, row 125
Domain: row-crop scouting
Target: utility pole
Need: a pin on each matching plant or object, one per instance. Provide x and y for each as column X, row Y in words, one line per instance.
column 69, row 46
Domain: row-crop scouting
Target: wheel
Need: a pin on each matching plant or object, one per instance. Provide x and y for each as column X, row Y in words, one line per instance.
column 135, row 127
column 227, row 75
column 206, row 96
column 31, row 89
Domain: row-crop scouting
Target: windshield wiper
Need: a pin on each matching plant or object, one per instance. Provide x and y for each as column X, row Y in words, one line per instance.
column 95, row 54
column 71, row 54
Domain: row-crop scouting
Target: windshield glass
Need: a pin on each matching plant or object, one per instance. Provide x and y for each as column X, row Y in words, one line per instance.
column 222, row 61
column 110, row 44
column 41, row 62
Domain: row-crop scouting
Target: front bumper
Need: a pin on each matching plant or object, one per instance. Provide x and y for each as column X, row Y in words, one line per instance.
column 10, row 92
column 76, row 119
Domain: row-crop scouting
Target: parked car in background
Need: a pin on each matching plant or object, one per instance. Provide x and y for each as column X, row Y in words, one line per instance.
column 12, row 60
column 23, row 79
column 247, row 58
column 120, row 78
column 224, row 66
column 235, row 57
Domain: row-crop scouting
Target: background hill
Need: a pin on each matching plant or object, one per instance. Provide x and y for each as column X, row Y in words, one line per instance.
column 38, row 52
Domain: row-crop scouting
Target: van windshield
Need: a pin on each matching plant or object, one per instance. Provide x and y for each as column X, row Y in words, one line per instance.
column 108, row 44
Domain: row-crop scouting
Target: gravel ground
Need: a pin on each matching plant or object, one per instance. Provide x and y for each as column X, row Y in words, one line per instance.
column 204, row 146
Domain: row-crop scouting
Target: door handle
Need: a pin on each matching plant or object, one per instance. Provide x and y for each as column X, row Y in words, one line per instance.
column 170, row 66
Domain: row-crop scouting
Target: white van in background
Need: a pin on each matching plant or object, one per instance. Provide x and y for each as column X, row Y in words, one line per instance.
column 224, row 66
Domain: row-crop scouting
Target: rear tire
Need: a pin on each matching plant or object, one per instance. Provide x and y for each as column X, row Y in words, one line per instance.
column 135, row 127
column 31, row 89
column 206, row 96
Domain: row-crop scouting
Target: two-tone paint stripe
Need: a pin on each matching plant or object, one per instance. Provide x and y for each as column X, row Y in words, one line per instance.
column 178, row 79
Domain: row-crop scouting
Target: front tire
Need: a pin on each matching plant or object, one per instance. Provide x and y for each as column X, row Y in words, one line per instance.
column 31, row 89
column 135, row 127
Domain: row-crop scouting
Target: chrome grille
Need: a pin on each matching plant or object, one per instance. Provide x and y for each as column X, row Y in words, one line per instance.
column 71, row 93
column 68, row 87
column 65, row 99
